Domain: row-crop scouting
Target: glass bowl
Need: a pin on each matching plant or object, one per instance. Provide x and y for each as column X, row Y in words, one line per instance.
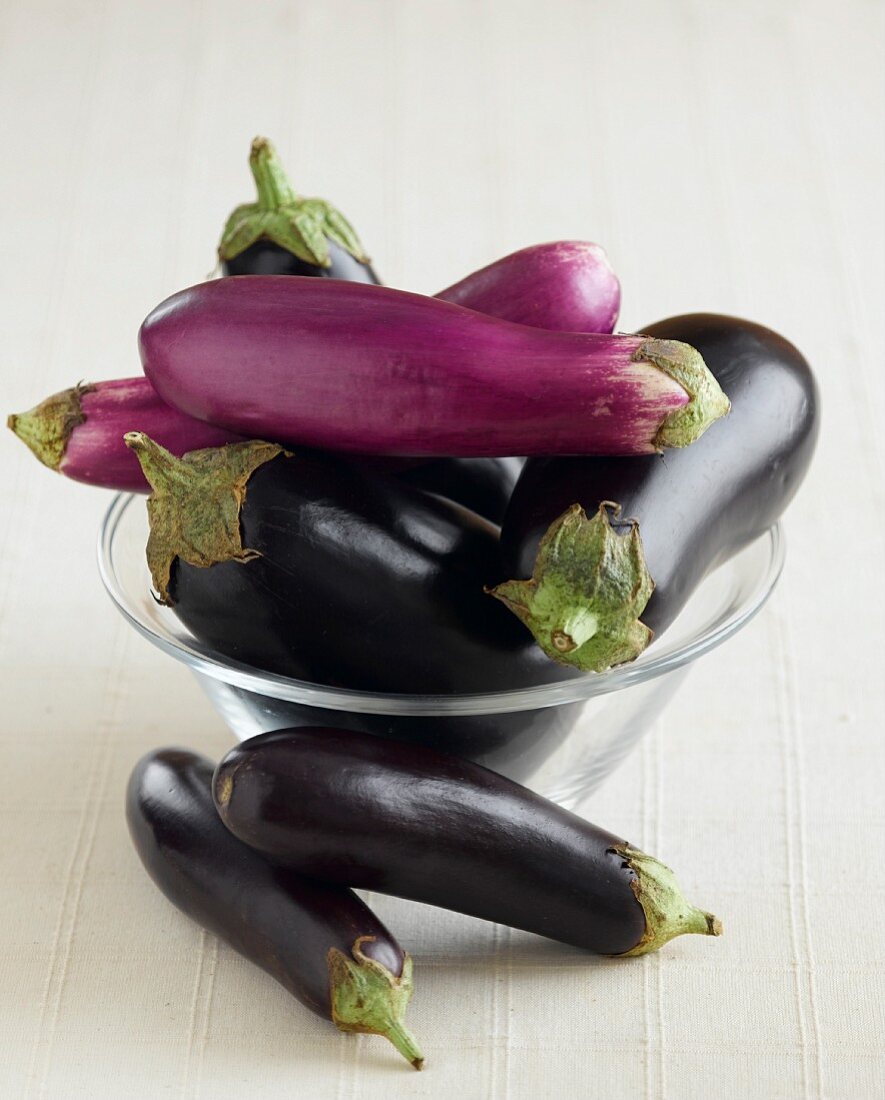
column 562, row 738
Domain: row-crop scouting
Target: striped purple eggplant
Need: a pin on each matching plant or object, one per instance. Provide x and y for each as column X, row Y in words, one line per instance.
column 567, row 286
column 367, row 369
column 79, row 432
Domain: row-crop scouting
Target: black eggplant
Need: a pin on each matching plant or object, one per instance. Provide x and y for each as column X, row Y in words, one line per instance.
column 315, row 567
column 658, row 524
column 359, row 581
column 404, row 820
column 483, row 485
column 285, row 234
column 321, row 942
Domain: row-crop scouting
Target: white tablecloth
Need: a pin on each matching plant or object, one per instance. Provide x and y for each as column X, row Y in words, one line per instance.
column 730, row 158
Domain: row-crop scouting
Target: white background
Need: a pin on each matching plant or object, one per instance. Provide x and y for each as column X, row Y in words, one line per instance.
column 729, row 157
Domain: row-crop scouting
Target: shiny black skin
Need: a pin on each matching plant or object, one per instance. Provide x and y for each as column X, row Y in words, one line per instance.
column 404, row 820
column 698, row 506
column 483, row 485
column 279, row 920
column 515, row 743
column 360, row 582
column 267, row 258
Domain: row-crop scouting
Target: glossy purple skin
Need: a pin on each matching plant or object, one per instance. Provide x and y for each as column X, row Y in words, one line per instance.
column 564, row 285
column 96, row 453
column 405, row 820
column 282, row 922
column 367, row 369
column 567, row 286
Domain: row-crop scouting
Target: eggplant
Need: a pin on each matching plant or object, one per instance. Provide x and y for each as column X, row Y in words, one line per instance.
column 567, row 286
column 657, row 526
column 405, row 820
column 319, row 941
column 367, row 369
column 483, row 485
column 285, row 234
column 79, row 432
column 312, row 566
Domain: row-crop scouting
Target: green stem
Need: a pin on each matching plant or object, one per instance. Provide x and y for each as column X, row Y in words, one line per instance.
column 706, row 404
column 667, row 913
column 367, row 998
column 587, row 590
column 274, row 188
column 303, row 226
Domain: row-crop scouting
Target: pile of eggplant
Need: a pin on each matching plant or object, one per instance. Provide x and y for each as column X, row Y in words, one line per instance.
column 362, row 487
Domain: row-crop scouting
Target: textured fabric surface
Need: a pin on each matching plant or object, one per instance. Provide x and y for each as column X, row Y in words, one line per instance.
column 730, row 158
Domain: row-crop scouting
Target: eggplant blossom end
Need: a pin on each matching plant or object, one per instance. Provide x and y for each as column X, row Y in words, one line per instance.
column 47, row 427
column 194, row 509
column 706, row 404
column 667, row 913
column 367, row 998
column 588, row 588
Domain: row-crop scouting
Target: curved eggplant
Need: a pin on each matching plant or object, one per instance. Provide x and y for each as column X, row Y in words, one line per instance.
column 312, row 566
column 371, row 370
column 320, row 942
column 285, row 234
column 404, row 820
column 659, row 525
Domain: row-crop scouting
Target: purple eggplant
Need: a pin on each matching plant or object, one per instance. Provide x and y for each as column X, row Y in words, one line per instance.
column 283, row 233
column 600, row 587
column 567, row 286
column 319, row 941
column 79, row 432
column 371, row 370
column 404, row 820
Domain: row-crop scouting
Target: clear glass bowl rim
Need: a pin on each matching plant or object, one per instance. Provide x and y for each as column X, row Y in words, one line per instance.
column 272, row 685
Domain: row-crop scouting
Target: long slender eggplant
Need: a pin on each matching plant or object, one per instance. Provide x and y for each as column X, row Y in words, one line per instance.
column 312, row 566
column 404, row 820
column 657, row 526
column 568, row 286
column 79, row 432
column 371, row 370
column 283, row 233
column 319, row 941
